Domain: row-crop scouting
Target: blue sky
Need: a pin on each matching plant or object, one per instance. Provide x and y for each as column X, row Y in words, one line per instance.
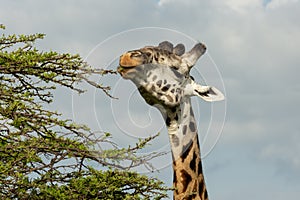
column 255, row 46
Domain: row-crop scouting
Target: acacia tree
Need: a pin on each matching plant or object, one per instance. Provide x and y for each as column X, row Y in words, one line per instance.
column 42, row 155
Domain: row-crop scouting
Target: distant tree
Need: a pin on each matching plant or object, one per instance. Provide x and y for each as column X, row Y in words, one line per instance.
column 42, row 155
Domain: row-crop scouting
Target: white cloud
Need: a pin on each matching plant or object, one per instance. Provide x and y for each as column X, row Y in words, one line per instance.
column 163, row 2
column 274, row 4
column 285, row 156
column 243, row 6
column 168, row 2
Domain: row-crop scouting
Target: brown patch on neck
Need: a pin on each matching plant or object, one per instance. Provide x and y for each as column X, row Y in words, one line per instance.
column 185, row 179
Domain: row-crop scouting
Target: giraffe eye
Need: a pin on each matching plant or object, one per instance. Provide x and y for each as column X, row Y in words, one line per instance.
column 136, row 54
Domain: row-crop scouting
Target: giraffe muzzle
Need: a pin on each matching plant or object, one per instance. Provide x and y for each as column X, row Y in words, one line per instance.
column 125, row 71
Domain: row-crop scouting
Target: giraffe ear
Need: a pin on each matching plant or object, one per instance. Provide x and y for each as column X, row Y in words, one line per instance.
column 208, row 93
column 179, row 49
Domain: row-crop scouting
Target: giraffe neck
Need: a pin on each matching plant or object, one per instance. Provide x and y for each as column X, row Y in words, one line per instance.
column 188, row 175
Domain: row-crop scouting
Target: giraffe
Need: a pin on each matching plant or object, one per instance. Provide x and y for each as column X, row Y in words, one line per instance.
column 161, row 74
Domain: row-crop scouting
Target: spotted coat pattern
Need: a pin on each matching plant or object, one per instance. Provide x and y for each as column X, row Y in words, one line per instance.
column 162, row 76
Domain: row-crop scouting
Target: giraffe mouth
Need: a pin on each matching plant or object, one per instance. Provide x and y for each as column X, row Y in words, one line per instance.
column 123, row 70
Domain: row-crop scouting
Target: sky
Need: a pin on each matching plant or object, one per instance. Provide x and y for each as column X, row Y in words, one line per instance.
column 250, row 142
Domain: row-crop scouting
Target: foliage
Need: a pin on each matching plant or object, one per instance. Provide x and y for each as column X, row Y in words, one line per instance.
column 42, row 155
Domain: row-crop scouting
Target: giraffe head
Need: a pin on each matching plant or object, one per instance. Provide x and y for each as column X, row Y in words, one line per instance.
column 164, row 54
column 162, row 73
